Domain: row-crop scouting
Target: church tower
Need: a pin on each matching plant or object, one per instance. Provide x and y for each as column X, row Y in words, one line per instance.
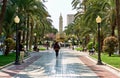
column 60, row 23
column 60, row 36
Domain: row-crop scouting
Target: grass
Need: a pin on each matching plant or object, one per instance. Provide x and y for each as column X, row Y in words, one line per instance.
column 4, row 60
column 79, row 48
column 7, row 59
column 42, row 48
column 114, row 60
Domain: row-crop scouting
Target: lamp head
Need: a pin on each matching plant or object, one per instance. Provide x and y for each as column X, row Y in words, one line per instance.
column 35, row 34
column 16, row 19
column 98, row 19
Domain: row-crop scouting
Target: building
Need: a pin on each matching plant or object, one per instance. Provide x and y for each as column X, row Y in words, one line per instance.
column 70, row 18
column 60, row 36
column 60, row 24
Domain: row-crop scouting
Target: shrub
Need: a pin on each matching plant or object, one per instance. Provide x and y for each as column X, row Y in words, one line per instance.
column 10, row 44
column 42, row 48
column 90, row 45
column 79, row 48
column 96, row 46
column 109, row 44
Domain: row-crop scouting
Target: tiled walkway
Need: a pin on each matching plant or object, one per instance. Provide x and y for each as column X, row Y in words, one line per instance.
column 46, row 65
column 67, row 65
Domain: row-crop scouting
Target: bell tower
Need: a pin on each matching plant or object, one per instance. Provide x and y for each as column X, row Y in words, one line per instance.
column 60, row 36
column 60, row 23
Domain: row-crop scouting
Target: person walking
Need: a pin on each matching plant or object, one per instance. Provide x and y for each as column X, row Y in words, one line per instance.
column 56, row 48
column 22, row 53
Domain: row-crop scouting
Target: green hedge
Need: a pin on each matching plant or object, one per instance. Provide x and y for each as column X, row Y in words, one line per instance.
column 42, row 48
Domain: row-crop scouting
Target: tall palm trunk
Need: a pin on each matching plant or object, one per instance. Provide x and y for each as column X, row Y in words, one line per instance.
column 31, row 33
column 113, row 28
column 43, row 30
column 37, row 27
column 118, row 20
column 23, row 39
column 27, row 35
column 24, row 33
column 3, row 9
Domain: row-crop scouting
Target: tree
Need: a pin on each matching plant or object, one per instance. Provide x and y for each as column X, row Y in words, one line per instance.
column 89, row 9
column 117, row 20
column 27, row 10
column 2, row 13
column 34, row 10
column 109, row 44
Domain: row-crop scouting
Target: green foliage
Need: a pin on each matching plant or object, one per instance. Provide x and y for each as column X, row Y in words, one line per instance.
column 90, row 45
column 79, row 48
column 109, row 44
column 42, row 48
column 10, row 43
column 96, row 46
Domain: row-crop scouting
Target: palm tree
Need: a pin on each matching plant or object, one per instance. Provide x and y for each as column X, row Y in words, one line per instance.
column 31, row 11
column 2, row 13
column 106, row 10
column 118, row 19
column 9, row 26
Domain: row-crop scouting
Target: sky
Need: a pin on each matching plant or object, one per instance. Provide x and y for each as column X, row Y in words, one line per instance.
column 55, row 7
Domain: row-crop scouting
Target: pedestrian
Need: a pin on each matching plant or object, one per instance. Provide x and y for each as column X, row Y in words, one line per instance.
column 47, row 45
column 92, row 51
column 35, row 47
column 22, row 52
column 56, row 48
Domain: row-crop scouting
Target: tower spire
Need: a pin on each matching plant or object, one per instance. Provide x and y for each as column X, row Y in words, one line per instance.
column 60, row 23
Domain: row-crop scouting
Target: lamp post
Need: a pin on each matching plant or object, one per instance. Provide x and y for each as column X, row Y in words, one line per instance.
column 17, row 20
column 98, row 20
column 47, row 43
column 73, row 42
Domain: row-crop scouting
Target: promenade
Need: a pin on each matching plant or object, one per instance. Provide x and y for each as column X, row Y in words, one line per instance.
column 69, row 64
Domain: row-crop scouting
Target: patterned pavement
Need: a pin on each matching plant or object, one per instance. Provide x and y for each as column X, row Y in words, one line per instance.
column 69, row 64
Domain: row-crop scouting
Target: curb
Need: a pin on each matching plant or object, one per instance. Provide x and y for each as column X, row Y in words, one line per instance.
column 6, row 65
column 113, row 67
column 12, row 63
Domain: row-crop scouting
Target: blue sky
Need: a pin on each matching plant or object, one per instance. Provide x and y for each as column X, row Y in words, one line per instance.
column 55, row 7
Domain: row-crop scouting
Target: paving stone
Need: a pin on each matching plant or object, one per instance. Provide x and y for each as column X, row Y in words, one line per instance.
column 44, row 64
column 67, row 65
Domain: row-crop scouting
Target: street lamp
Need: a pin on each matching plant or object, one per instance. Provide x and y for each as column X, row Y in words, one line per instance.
column 98, row 20
column 47, row 43
column 17, row 20
column 73, row 42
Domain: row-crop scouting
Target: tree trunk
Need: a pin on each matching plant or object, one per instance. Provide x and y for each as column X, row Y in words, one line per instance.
column 23, row 39
column 36, row 28
column 101, row 41
column 118, row 21
column 113, row 28
column 31, row 33
column 110, row 53
column 3, row 9
column 27, row 37
column 7, row 50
